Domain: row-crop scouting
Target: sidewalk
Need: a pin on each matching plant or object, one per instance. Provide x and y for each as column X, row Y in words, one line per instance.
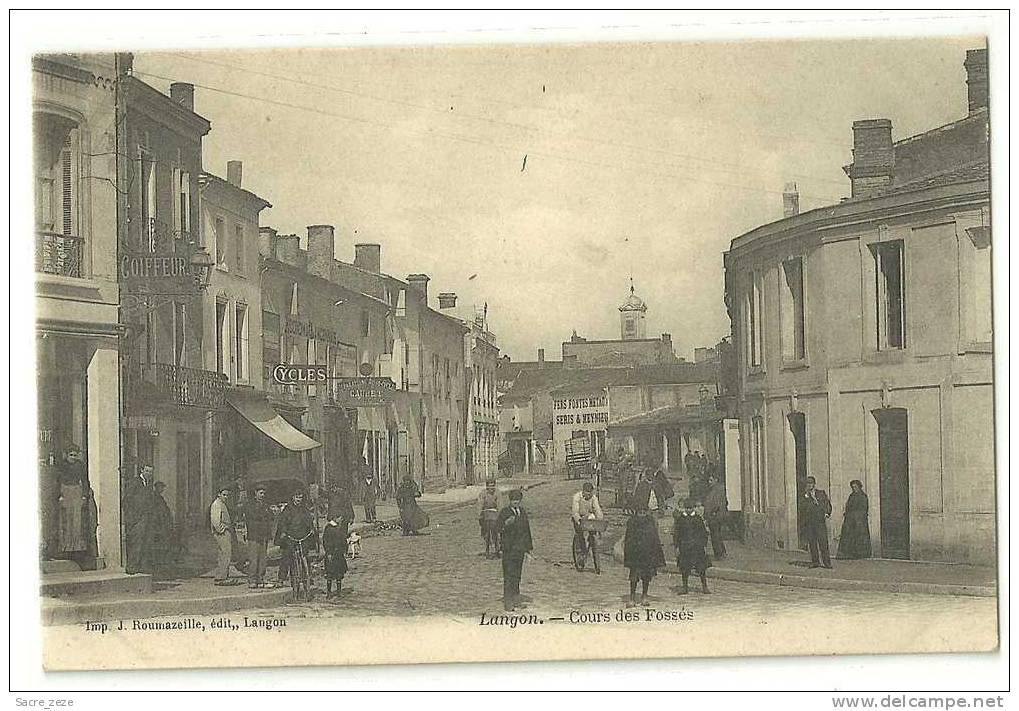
column 192, row 592
column 749, row 564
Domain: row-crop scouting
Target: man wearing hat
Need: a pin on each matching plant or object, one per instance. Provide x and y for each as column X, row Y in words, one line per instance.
column 259, row 522
column 515, row 530
column 222, row 530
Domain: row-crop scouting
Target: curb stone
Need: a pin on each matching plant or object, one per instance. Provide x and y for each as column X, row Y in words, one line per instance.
column 806, row 581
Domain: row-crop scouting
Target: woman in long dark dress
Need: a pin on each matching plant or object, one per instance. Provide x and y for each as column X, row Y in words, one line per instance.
column 334, row 542
column 412, row 517
column 855, row 540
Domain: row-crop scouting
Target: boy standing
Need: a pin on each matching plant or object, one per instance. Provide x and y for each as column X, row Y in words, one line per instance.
column 690, row 536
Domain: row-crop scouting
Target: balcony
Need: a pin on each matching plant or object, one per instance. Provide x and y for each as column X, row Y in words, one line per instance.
column 174, row 385
column 58, row 254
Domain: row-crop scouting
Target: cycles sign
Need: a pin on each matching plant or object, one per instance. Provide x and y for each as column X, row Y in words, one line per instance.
column 348, row 392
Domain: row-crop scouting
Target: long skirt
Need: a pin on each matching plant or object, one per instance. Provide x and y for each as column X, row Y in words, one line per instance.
column 72, row 539
column 855, row 540
column 642, row 547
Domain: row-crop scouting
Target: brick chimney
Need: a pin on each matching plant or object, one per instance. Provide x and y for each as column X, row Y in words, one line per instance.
column 266, row 241
column 287, row 249
column 447, row 300
column 790, row 200
column 873, row 157
column 321, row 250
column 368, row 257
column 234, row 170
column 184, row 94
column 419, row 282
column 976, row 79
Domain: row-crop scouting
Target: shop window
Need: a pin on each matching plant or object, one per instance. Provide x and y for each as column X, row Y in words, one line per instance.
column 793, row 346
column 890, row 294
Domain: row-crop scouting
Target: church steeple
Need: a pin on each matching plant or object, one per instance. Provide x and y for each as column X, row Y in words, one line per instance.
column 631, row 317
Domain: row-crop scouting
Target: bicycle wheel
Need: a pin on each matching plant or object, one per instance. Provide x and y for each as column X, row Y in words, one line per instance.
column 306, row 578
column 593, row 545
column 579, row 554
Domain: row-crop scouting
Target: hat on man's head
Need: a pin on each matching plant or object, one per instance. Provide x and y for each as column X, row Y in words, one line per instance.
column 516, row 495
column 588, row 486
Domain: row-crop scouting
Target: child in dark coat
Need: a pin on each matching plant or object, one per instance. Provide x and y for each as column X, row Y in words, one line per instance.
column 334, row 541
column 690, row 536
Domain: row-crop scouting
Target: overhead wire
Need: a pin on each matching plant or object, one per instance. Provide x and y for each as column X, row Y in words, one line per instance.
column 712, row 164
column 475, row 141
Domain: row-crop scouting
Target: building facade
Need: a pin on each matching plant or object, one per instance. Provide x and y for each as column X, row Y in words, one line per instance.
column 169, row 395
column 75, row 121
column 862, row 333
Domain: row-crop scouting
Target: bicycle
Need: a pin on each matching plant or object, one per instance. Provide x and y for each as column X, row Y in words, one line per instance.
column 300, row 569
column 582, row 544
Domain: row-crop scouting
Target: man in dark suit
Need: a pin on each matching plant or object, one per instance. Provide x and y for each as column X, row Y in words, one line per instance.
column 815, row 508
column 515, row 531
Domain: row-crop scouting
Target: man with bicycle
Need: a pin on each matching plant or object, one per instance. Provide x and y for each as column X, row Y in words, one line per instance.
column 296, row 524
column 585, row 506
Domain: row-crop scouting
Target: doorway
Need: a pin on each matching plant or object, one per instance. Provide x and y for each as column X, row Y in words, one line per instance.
column 893, row 481
column 798, row 433
column 189, row 479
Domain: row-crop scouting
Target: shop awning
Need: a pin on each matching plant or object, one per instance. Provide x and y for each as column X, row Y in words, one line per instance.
column 255, row 408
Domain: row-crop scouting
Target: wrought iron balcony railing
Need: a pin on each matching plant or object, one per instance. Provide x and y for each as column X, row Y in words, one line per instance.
column 58, row 254
column 162, row 383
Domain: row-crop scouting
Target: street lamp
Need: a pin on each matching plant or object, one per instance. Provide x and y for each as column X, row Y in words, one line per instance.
column 202, row 264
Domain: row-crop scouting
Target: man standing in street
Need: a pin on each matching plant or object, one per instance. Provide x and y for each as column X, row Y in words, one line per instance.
column 515, row 530
column 815, row 511
column 488, row 503
column 222, row 531
column 369, row 497
column 138, row 505
column 716, row 508
column 259, row 522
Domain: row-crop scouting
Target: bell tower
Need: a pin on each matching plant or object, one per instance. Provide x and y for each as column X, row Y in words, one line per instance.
column 632, row 313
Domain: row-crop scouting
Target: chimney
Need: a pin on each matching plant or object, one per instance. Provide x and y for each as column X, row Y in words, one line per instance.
column 873, row 157
column 541, row 357
column 790, row 200
column 368, row 257
column 287, row 249
column 183, row 94
column 233, row 172
column 266, row 241
column 976, row 79
column 447, row 300
column 321, row 250
column 419, row 282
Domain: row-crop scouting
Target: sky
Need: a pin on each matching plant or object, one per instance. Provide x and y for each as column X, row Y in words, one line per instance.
column 642, row 160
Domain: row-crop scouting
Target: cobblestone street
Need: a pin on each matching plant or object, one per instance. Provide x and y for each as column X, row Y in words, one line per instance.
column 445, row 573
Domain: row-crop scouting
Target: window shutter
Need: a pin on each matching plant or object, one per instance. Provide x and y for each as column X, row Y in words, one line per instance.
column 185, row 204
column 66, row 187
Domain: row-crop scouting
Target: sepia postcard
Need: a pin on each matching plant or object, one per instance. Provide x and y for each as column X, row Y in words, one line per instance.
column 549, row 351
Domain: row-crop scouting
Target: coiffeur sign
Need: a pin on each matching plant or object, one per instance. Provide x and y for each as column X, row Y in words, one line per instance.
column 142, row 272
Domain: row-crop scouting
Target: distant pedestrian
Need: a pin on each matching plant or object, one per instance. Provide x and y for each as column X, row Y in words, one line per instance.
column 854, row 542
column 815, row 509
column 258, row 518
column 412, row 518
column 716, row 509
column 222, row 530
column 334, row 544
column 488, row 514
column 369, row 496
column 642, row 550
column 662, row 488
column 689, row 537
column 515, row 531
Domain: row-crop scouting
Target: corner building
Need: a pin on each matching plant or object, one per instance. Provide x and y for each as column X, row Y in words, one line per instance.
column 864, row 339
